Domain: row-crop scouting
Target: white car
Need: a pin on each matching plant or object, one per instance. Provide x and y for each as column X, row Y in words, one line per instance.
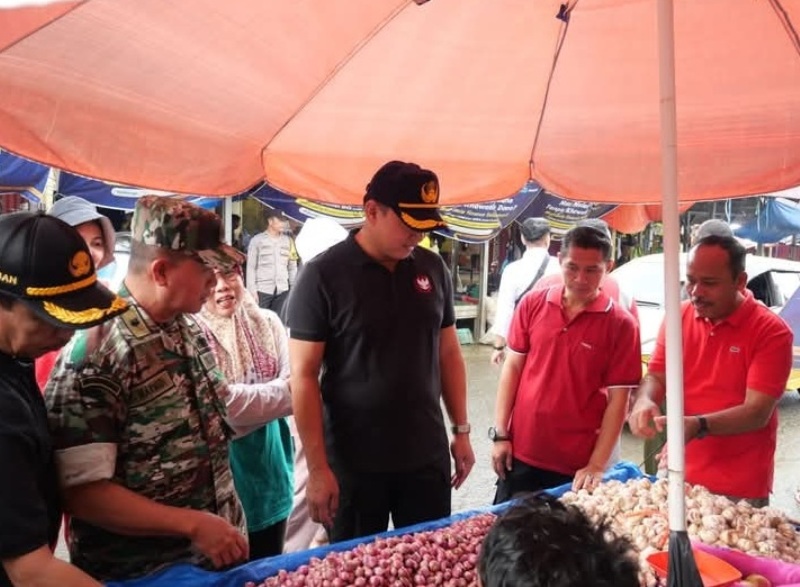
column 772, row 280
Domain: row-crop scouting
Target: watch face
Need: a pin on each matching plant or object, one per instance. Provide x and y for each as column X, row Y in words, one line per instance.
column 492, row 433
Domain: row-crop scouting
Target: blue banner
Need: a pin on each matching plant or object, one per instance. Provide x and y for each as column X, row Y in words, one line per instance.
column 472, row 223
column 116, row 196
column 562, row 214
column 18, row 175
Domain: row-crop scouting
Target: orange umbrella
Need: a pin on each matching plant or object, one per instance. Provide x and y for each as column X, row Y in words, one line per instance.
column 201, row 96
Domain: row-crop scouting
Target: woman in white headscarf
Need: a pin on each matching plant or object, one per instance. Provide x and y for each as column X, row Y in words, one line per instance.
column 250, row 346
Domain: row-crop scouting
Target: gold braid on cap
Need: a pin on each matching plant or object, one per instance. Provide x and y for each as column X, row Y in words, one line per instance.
column 57, row 290
column 420, row 224
column 83, row 316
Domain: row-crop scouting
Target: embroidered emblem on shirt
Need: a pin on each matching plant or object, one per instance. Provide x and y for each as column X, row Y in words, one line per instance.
column 422, row 283
column 735, row 349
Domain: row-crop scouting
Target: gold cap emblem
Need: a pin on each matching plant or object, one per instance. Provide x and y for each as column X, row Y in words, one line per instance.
column 430, row 192
column 81, row 264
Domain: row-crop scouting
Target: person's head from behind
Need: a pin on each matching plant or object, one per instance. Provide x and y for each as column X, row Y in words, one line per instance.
column 401, row 204
column 535, row 232
column 236, row 221
column 227, row 293
column 585, row 259
column 715, row 276
column 48, row 285
column 712, row 227
column 95, row 228
column 175, row 248
column 540, row 542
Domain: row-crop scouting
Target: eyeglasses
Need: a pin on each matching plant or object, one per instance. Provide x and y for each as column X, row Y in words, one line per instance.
column 229, row 276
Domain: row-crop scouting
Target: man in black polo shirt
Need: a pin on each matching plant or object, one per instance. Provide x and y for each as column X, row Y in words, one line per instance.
column 48, row 289
column 374, row 314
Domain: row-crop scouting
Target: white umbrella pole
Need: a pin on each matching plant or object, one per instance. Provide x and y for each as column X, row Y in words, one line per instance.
column 669, row 186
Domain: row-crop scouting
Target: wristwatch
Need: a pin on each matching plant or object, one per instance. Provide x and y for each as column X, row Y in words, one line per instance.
column 702, row 431
column 495, row 437
column 461, row 429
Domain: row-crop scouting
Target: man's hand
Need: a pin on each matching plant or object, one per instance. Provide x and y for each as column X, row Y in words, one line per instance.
column 646, row 419
column 502, row 457
column 218, row 540
column 498, row 356
column 322, row 493
column 691, row 426
column 463, row 459
column 587, row 478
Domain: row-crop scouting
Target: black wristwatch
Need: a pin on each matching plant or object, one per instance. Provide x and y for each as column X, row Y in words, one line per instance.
column 495, row 437
column 702, row 431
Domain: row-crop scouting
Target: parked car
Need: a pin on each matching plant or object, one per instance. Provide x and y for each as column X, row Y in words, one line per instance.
column 773, row 281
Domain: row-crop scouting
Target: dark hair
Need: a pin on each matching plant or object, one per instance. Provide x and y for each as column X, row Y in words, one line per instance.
column 534, row 229
column 597, row 223
column 273, row 213
column 588, row 237
column 6, row 300
column 540, row 542
column 736, row 252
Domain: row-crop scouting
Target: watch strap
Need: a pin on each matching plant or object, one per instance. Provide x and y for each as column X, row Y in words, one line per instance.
column 461, row 429
column 702, row 430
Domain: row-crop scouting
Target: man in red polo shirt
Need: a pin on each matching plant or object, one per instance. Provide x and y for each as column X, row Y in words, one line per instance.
column 553, row 424
column 737, row 355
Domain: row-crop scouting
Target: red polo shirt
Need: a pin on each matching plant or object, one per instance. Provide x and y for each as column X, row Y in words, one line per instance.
column 750, row 349
column 559, row 407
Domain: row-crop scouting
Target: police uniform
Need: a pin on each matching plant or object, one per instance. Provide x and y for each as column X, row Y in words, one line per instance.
column 153, row 393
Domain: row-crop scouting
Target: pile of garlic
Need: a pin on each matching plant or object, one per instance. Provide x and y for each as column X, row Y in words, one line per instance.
column 638, row 509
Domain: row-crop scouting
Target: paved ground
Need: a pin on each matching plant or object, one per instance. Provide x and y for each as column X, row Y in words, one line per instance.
column 478, row 490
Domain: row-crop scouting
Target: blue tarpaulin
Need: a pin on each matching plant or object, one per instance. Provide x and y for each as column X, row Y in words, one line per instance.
column 778, row 218
column 182, row 575
column 21, row 176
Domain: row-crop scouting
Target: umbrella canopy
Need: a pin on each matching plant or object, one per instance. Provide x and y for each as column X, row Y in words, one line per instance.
column 198, row 96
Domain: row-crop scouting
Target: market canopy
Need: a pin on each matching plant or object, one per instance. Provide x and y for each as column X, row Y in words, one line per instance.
column 200, row 96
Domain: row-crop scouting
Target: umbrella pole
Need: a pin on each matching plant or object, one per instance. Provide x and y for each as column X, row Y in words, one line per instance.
column 682, row 567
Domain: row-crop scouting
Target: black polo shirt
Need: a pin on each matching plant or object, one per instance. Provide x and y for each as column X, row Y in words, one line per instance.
column 30, row 512
column 381, row 383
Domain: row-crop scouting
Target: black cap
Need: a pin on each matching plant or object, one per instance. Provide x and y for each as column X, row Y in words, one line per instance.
column 46, row 264
column 411, row 191
column 534, row 229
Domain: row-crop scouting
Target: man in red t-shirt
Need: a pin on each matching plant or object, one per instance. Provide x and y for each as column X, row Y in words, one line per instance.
column 553, row 424
column 737, row 355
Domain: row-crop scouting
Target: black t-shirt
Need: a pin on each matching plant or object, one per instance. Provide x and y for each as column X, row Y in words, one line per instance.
column 30, row 511
column 381, row 383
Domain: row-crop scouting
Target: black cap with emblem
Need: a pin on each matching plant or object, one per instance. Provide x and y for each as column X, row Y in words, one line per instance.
column 46, row 264
column 411, row 191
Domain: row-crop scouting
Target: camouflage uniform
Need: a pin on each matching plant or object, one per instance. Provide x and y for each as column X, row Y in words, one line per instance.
column 154, row 391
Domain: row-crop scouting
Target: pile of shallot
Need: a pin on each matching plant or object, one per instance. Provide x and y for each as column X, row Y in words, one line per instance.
column 438, row 557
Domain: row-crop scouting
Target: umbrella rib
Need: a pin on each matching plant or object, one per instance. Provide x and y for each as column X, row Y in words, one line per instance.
column 563, row 15
column 786, row 22
column 45, row 25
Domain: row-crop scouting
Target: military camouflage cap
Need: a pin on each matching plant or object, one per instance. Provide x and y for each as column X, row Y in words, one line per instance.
column 176, row 224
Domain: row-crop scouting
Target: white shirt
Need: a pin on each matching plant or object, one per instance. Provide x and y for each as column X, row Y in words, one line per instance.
column 516, row 277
